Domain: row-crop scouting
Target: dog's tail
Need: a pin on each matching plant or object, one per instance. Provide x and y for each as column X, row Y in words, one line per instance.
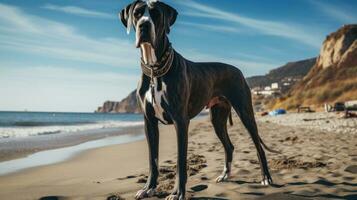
column 268, row 148
column 230, row 119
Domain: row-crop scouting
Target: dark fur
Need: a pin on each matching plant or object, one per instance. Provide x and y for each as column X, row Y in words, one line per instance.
column 190, row 87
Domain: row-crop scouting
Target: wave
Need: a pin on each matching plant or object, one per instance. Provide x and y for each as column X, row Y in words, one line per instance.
column 27, row 130
column 36, row 123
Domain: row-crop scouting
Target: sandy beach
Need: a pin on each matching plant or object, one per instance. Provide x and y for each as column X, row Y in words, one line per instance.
column 315, row 164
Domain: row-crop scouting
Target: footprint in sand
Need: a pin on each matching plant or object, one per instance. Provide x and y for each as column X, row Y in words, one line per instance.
column 115, row 197
column 53, row 198
column 167, row 174
column 169, row 161
column 351, row 169
column 243, row 172
column 335, row 174
column 296, row 176
column 204, row 178
column 348, row 178
column 131, row 176
column 141, row 180
column 222, row 194
column 254, row 162
column 198, row 188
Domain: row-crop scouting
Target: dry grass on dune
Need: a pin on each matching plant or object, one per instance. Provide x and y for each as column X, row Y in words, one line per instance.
column 321, row 86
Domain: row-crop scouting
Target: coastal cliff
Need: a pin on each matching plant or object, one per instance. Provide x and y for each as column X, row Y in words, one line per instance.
column 339, row 49
column 127, row 105
column 333, row 77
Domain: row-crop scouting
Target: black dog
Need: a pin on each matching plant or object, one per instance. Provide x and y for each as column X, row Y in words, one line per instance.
column 173, row 90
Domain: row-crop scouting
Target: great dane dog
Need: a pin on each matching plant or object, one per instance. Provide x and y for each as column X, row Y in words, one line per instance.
column 173, row 90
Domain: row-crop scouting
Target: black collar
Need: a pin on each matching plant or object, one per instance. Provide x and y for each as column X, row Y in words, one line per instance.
column 160, row 68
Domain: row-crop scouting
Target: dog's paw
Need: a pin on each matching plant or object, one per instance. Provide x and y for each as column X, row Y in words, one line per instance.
column 223, row 177
column 267, row 180
column 145, row 193
column 175, row 197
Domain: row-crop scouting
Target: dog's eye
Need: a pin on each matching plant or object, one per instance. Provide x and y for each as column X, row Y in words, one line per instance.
column 138, row 14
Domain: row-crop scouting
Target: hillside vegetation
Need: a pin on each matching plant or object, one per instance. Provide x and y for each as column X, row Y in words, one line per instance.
column 291, row 69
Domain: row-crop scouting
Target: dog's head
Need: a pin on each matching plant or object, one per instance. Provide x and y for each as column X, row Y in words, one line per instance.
column 151, row 20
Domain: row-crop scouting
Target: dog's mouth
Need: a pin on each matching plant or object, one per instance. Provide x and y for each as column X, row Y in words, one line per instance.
column 148, row 53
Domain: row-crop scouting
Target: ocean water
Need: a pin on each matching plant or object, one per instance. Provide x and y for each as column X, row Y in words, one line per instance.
column 24, row 124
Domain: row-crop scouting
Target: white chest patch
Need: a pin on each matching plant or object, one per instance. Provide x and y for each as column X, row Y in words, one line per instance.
column 156, row 100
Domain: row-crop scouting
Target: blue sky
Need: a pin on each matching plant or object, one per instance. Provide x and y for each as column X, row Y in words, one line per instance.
column 74, row 55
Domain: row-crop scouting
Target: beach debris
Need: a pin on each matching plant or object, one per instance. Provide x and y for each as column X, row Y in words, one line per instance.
column 277, row 112
column 264, row 114
column 349, row 114
column 305, row 109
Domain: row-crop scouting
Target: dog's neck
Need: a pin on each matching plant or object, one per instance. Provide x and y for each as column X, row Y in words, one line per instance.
column 153, row 56
column 161, row 48
column 163, row 64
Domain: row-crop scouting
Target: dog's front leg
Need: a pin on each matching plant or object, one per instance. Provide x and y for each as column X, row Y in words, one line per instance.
column 181, row 126
column 152, row 137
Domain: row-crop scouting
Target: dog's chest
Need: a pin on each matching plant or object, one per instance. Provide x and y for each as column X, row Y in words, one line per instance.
column 155, row 96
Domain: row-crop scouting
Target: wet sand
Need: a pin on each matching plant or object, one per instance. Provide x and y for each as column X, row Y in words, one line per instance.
column 315, row 164
column 13, row 148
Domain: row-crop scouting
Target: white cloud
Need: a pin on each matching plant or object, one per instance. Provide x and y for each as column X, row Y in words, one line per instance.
column 335, row 12
column 78, row 11
column 274, row 28
column 22, row 32
column 216, row 28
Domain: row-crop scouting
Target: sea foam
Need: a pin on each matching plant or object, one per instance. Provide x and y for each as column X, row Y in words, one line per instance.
column 24, row 131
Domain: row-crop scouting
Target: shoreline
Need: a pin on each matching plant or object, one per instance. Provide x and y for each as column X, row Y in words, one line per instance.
column 15, row 148
column 53, row 156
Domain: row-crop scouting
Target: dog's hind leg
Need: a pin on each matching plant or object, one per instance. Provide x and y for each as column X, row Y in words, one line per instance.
column 219, row 115
column 242, row 104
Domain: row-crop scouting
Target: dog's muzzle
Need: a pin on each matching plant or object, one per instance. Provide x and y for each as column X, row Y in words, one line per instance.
column 145, row 39
column 148, row 53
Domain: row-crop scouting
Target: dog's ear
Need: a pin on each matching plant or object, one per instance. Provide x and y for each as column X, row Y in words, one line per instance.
column 126, row 15
column 170, row 15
